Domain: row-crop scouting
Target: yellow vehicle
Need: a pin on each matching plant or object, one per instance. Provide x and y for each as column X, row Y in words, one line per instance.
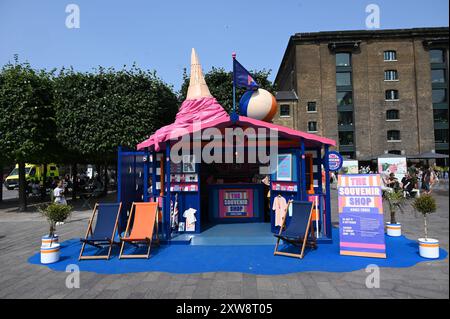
column 33, row 172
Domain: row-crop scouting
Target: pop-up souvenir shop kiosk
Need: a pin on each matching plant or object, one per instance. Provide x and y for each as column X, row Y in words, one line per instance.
column 195, row 193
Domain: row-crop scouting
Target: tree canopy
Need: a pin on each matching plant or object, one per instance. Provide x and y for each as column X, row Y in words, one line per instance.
column 95, row 113
column 27, row 121
column 220, row 84
column 75, row 117
column 84, row 116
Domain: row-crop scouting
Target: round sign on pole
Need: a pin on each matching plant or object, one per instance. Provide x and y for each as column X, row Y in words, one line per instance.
column 335, row 161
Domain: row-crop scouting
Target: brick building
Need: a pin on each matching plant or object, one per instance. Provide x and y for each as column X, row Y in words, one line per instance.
column 375, row 92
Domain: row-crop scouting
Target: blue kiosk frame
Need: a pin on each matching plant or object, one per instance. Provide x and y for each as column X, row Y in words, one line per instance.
column 136, row 167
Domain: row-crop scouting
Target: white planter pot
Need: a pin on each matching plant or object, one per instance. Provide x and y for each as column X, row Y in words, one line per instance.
column 50, row 254
column 394, row 230
column 429, row 248
column 48, row 241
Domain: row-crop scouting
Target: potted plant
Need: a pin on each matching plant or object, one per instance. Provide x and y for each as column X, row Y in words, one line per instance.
column 396, row 201
column 428, row 247
column 54, row 213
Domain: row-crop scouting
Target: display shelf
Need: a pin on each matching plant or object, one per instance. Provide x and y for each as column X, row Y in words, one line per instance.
column 183, row 187
column 284, row 186
column 183, row 178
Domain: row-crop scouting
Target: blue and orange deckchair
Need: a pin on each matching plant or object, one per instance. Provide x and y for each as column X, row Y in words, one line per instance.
column 104, row 231
column 299, row 231
column 144, row 217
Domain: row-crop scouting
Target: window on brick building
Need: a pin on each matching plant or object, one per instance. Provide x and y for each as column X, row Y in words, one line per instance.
column 441, row 135
column 440, row 116
column 343, row 78
column 346, row 138
column 390, row 75
column 438, row 76
column 393, row 135
column 312, row 126
column 437, row 56
column 392, row 115
column 395, row 152
column 345, row 118
column 390, row 55
column 391, row 95
column 285, row 110
column 311, row 107
column 344, row 98
column 343, row 59
column 439, row 95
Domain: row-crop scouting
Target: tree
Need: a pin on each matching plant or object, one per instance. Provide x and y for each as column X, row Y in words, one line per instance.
column 425, row 204
column 55, row 213
column 396, row 200
column 220, row 84
column 97, row 112
column 27, row 124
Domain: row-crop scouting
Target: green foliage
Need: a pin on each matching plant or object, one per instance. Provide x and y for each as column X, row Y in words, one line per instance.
column 55, row 213
column 27, row 121
column 75, row 117
column 98, row 112
column 425, row 204
column 220, row 84
column 396, row 202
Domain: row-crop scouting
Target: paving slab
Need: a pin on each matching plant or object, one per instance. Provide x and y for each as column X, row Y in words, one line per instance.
column 19, row 279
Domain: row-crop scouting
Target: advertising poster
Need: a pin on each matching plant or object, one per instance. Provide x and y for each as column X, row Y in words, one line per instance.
column 396, row 165
column 361, row 224
column 235, row 203
column 350, row 167
column 284, row 167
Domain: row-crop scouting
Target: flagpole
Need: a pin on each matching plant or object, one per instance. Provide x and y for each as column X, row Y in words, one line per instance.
column 234, row 85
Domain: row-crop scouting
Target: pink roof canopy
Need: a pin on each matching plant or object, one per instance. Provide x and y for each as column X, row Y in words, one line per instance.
column 200, row 111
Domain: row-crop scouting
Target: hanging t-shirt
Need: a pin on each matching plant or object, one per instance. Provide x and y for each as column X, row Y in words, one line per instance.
column 279, row 206
column 189, row 214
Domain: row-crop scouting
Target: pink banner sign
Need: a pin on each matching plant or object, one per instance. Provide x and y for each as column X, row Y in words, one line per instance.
column 235, row 203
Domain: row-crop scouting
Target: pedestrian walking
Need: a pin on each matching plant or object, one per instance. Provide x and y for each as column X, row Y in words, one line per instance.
column 58, row 194
column 426, row 180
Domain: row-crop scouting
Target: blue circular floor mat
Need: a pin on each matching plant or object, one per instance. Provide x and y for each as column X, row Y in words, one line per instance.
column 252, row 259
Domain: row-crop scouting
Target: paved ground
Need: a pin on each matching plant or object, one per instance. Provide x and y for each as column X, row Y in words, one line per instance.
column 20, row 238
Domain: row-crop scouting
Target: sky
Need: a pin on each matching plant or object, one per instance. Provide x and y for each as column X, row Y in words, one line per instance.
column 159, row 35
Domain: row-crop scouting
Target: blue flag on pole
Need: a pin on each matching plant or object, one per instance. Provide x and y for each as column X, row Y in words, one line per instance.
column 243, row 78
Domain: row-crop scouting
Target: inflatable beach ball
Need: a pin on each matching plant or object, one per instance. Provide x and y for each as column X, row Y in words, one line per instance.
column 259, row 104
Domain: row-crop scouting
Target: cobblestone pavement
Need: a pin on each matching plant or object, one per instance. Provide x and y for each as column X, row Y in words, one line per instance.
column 20, row 238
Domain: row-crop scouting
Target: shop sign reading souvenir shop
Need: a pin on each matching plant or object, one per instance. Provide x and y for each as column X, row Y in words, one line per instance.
column 361, row 226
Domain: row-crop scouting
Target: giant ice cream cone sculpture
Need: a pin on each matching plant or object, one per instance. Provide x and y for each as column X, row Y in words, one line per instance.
column 200, row 107
column 197, row 84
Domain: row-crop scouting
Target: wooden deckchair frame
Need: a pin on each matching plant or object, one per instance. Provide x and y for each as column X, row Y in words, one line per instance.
column 89, row 231
column 148, row 241
column 304, row 241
